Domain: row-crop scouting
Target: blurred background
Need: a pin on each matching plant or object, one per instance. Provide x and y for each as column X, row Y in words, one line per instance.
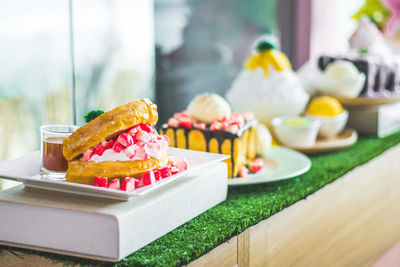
column 105, row 53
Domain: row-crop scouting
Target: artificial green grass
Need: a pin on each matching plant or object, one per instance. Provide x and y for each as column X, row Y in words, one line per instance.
column 244, row 207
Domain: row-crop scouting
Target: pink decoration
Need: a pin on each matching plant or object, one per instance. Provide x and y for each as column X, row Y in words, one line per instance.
column 393, row 23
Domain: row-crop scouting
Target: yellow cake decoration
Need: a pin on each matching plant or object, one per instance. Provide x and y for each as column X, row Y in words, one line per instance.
column 267, row 55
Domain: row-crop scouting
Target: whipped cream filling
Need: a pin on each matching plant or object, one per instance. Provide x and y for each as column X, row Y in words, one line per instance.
column 131, row 145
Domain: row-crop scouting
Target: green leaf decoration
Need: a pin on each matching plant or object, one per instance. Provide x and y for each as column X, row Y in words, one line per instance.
column 264, row 46
column 92, row 115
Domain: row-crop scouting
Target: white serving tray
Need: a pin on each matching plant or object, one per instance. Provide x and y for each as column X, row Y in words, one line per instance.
column 101, row 228
column 26, row 170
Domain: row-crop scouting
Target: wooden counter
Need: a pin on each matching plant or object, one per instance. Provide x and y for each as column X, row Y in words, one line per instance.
column 350, row 222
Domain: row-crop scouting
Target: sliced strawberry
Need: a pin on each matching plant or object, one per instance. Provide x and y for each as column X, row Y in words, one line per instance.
column 114, row 184
column 109, row 144
column 88, row 154
column 165, row 172
column 185, row 123
column 117, row 147
column 243, row 171
column 125, row 139
column 173, row 122
column 99, row 149
column 147, row 128
column 199, row 125
column 147, row 178
column 256, row 165
column 100, row 181
column 129, row 184
column 130, row 151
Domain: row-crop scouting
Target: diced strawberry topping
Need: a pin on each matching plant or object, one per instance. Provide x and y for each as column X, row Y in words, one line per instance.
column 174, row 170
column 243, row 171
column 233, row 128
column 215, row 125
column 125, row 139
column 147, row 178
column 143, row 136
column 129, row 184
column 157, row 175
column 256, row 165
column 173, row 122
column 141, row 153
column 147, row 128
column 165, row 172
column 199, row 125
column 130, row 151
column 100, row 181
column 109, row 144
column 117, row 147
column 99, row 149
column 114, row 184
column 132, row 131
column 181, row 164
column 164, row 137
column 185, row 123
column 88, row 154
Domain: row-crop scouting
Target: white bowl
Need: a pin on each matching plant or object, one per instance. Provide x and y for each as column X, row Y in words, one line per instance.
column 339, row 87
column 331, row 126
column 295, row 135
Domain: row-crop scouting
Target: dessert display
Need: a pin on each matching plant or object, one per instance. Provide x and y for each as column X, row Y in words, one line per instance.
column 267, row 85
column 295, row 131
column 330, row 113
column 378, row 68
column 209, row 125
column 120, row 149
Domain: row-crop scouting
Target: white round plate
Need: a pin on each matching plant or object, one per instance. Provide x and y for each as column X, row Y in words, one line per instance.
column 345, row 139
column 282, row 163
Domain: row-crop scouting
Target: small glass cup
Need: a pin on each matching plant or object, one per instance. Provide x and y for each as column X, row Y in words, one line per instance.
column 53, row 165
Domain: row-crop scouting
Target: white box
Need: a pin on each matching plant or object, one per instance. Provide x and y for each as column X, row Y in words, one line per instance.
column 378, row 120
column 105, row 229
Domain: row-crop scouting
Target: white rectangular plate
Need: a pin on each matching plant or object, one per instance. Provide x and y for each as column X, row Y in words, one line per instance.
column 26, row 170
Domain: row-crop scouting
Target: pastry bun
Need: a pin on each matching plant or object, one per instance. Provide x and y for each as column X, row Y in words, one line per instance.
column 107, row 125
column 84, row 172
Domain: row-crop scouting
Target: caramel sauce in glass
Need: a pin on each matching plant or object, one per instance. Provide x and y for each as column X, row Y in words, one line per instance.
column 52, row 158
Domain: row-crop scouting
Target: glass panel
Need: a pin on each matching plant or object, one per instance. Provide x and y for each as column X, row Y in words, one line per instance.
column 201, row 45
column 34, row 72
column 114, row 53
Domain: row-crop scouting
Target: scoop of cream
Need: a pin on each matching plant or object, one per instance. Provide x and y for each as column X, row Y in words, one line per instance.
column 263, row 140
column 342, row 69
column 208, row 107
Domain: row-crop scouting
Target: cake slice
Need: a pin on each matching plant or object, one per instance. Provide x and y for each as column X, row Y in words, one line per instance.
column 209, row 126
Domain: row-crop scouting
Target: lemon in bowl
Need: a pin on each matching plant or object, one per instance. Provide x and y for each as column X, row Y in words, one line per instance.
column 330, row 113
